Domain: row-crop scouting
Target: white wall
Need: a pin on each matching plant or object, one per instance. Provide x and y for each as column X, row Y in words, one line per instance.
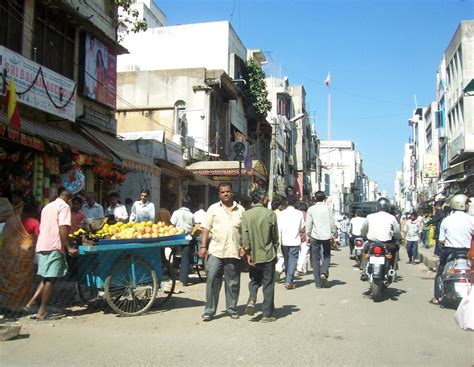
column 206, row 45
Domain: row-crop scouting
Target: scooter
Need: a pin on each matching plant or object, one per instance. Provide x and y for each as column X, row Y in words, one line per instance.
column 455, row 279
column 380, row 269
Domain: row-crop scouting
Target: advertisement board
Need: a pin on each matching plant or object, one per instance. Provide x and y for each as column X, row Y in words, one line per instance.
column 38, row 86
column 430, row 166
column 99, row 72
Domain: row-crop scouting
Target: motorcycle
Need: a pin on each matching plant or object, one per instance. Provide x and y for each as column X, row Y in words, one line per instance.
column 455, row 279
column 380, row 269
column 358, row 248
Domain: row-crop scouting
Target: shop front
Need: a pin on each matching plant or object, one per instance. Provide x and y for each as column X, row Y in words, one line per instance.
column 40, row 157
column 243, row 177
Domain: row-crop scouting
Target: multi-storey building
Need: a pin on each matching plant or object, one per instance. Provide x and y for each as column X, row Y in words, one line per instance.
column 60, row 57
column 191, row 87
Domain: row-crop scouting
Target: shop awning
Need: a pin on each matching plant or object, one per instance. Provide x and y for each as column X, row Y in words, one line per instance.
column 128, row 158
column 52, row 135
column 458, row 170
column 184, row 172
column 228, row 168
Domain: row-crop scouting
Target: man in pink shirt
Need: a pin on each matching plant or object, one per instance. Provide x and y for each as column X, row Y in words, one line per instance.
column 50, row 248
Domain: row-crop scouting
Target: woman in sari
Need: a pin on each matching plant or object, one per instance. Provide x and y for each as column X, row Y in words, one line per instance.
column 17, row 252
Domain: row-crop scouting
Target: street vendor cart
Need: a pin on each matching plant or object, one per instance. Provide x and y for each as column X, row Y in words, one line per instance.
column 132, row 273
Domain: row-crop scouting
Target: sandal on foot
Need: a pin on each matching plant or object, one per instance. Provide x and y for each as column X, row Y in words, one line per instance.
column 434, row 301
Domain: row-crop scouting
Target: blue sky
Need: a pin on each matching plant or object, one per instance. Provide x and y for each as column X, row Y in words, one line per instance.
column 381, row 53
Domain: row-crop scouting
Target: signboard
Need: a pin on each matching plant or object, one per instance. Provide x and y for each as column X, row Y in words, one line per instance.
column 173, row 153
column 99, row 78
column 430, row 166
column 51, row 92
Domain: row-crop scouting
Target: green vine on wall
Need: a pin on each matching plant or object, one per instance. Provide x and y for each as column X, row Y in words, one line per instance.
column 257, row 88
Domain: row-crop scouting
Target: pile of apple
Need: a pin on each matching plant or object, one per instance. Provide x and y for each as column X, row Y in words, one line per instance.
column 133, row 230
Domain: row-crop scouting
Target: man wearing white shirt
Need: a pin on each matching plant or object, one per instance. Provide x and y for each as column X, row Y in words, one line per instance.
column 200, row 214
column 455, row 234
column 355, row 228
column 182, row 218
column 91, row 208
column 143, row 210
column 116, row 210
column 290, row 224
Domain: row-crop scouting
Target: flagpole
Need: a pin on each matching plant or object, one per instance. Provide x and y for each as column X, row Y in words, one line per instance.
column 328, row 83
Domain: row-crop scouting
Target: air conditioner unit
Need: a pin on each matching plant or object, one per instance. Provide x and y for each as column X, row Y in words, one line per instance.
column 441, row 132
column 234, row 150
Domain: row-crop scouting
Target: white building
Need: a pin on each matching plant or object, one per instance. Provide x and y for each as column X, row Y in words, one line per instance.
column 343, row 170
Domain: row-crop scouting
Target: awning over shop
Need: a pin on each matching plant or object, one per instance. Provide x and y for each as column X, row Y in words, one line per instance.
column 120, row 149
column 458, row 171
column 54, row 136
column 184, row 172
column 228, row 168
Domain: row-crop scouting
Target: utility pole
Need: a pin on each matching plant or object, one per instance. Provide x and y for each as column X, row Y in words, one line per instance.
column 271, row 172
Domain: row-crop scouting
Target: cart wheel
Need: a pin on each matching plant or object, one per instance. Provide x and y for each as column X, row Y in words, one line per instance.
column 131, row 286
column 167, row 283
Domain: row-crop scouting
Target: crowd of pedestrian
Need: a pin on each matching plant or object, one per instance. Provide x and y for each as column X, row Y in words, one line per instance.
column 284, row 238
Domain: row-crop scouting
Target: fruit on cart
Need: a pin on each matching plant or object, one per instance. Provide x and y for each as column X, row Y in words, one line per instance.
column 138, row 230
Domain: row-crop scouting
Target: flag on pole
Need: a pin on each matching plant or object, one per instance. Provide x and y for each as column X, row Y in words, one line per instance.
column 11, row 107
column 328, row 80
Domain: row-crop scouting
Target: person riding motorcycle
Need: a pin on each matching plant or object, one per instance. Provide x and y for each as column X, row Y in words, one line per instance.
column 355, row 227
column 380, row 227
column 455, row 234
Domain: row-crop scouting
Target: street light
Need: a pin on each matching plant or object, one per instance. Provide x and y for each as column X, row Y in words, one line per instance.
column 273, row 151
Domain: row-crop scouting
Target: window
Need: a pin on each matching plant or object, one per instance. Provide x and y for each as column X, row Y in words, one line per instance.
column 54, row 39
column 11, row 24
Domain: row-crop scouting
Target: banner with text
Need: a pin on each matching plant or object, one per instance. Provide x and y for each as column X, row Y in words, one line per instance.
column 51, row 92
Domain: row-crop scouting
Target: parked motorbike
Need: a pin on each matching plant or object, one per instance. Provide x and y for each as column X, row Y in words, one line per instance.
column 380, row 269
column 455, row 279
column 358, row 248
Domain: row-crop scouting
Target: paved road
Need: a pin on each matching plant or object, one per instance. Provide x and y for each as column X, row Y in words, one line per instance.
column 329, row 327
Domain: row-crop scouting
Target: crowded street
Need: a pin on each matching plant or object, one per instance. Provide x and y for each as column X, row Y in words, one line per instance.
column 236, row 183
column 337, row 326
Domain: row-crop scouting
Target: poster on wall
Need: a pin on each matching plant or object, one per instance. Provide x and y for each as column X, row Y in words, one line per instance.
column 99, row 78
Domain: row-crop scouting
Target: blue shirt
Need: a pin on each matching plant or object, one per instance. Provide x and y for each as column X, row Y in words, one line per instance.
column 142, row 212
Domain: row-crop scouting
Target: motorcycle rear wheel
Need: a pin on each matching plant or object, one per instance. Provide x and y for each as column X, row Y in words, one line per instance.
column 376, row 288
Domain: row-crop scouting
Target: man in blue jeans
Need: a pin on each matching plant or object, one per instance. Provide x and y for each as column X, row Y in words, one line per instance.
column 290, row 224
column 320, row 230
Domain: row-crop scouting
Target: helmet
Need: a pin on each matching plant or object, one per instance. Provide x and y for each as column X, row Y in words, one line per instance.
column 384, row 205
column 459, row 202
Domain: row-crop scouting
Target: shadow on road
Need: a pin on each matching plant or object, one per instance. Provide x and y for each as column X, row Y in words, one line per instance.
column 390, row 293
column 333, row 283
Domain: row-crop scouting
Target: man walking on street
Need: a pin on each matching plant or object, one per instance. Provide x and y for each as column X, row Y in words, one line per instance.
column 182, row 218
column 320, row 230
column 224, row 221
column 260, row 242
column 412, row 235
column 290, row 224
column 51, row 249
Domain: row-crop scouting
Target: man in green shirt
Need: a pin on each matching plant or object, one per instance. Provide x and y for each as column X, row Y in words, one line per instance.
column 260, row 242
